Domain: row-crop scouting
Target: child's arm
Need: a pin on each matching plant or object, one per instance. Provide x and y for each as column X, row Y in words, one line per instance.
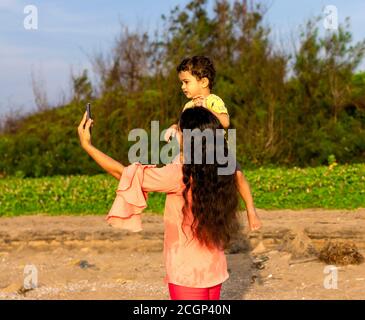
column 171, row 131
column 223, row 118
column 245, row 192
column 107, row 163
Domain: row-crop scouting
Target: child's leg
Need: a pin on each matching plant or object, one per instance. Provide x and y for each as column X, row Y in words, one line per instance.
column 245, row 192
column 243, row 187
column 186, row 293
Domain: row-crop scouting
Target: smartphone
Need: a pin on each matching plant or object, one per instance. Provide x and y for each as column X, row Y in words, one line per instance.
column 88, row 111
column 88, row 114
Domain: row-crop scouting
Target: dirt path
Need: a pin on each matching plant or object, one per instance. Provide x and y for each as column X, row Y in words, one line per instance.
column 84, row 258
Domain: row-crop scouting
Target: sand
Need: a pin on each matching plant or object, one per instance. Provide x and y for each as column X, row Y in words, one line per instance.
column 84, row 258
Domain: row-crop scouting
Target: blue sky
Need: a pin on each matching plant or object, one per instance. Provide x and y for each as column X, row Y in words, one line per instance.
column 69, row 31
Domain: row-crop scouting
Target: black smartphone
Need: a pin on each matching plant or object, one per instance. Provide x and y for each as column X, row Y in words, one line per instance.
column 88, row 111
column 88, row 114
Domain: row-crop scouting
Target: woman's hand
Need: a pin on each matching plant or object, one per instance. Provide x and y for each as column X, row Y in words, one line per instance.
column 84, row 133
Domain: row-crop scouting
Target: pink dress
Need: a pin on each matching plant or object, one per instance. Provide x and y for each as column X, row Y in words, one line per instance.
column 187, row 262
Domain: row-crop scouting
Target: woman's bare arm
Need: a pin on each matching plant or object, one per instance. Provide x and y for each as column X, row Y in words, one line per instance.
column 107, row 163
column 110, row 165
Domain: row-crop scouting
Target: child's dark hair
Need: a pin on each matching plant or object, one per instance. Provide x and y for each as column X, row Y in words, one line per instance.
column 200, row 67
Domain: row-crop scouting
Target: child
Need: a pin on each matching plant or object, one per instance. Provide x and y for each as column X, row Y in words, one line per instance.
column 197, row 76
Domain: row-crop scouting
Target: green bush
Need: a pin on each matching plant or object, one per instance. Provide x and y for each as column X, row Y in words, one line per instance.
column 332, row 187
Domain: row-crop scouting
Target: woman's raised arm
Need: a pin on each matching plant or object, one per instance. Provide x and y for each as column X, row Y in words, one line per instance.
column 110, row 165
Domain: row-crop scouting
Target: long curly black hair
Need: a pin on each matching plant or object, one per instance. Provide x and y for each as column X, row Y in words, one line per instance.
column 214, row 198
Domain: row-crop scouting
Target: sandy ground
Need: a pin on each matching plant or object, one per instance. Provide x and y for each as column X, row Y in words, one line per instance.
column 84, row 258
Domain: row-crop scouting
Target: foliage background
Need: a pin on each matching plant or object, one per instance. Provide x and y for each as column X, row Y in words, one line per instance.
column 290, row 107
column 299, row 111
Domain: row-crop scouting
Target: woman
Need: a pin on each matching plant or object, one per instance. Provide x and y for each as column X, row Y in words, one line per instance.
column 200, row 209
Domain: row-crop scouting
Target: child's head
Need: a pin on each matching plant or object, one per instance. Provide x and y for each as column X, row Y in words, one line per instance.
column 197, row 76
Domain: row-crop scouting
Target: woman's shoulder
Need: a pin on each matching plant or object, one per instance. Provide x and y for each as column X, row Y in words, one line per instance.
column 172, row 171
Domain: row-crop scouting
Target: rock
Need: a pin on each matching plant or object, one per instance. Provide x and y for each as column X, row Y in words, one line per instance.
column 260, row 259
column 84, row 264
column 258, row 262
column 23, row 291
column 300, row 247
column 238, row 247
column 260, row 248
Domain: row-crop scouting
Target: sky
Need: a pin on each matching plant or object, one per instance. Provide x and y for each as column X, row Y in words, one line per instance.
column 69, row 32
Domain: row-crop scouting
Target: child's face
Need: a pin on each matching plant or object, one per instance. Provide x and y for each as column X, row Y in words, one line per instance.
column 191, row 86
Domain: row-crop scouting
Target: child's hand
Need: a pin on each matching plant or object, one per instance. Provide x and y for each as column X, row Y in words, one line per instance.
column 200, row 101
column 254, row 221
column 84, row 132
column 170, row 132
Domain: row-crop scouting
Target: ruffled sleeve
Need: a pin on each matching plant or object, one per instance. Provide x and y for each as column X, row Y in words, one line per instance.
column 130, row 199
